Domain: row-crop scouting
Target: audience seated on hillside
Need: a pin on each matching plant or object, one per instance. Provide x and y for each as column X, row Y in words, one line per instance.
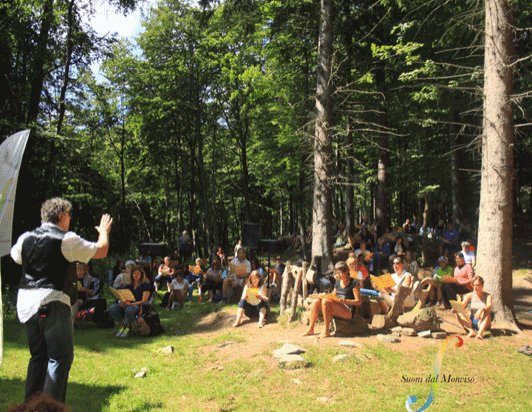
column 479, row 318
column 124, row 312
column 213, row 280
column 125, row 277
column 238, row 278
column 469, row 255
column 164, row 274
column 463, row 278
column 254, row 300
column 178, row 290
column 340, row 303
column 450, row 240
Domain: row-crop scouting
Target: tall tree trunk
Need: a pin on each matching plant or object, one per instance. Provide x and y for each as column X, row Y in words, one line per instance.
column 39, row 62
column 495, row 220
column 68, row 60
column 321, row 219
column 456, row 176
column 381, row 198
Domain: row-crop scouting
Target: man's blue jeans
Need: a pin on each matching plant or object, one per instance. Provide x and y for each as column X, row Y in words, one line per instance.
column 51, row 342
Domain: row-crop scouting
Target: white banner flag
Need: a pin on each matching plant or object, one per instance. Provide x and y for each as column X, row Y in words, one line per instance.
column 11, row 151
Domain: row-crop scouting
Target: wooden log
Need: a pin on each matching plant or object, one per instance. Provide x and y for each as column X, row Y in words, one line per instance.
column 295, row 293
column 287, row 275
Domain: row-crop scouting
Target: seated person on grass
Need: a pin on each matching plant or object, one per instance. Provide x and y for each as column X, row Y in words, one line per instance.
column 199, row 269
column 340, row 303
column 213, row 279
column 86, row 287
column 236, row 279
column 449, row 240
column 124, row 278
column 124, row 312
column 411, row 265
column 440, row 272
column 388, row 294
column 276, row 274
column 178, row 290
column 399, row 248
column 462, row 283
column 254, row 300
column 469, row 255
column 193, row 279
column 479, row 318
column 379, row 255
column 164, row 273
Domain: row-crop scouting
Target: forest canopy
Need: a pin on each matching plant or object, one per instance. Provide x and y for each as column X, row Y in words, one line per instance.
column 206, row 121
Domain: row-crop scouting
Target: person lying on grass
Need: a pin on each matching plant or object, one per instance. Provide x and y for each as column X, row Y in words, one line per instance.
column 254, row 300
column 124, row 312
column 340, row 303
column 479, row 318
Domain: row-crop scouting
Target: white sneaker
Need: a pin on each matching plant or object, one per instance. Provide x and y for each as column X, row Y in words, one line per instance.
column 119, row 334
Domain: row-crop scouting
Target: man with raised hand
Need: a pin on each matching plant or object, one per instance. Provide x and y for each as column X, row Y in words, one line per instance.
column 45, row 254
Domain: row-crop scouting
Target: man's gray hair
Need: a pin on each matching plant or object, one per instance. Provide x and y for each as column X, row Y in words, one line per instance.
column 52, row 208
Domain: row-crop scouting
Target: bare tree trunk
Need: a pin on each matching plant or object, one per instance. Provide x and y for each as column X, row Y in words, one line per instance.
column 381, row 198
column 321, row 219
column 38, row 70
column 495, row 220
column 68, row 60
column 456, row 178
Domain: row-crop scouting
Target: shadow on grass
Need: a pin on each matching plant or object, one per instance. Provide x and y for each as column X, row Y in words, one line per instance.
column 82, row 398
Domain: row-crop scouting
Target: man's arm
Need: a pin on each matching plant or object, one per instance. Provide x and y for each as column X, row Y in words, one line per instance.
column 103, row 239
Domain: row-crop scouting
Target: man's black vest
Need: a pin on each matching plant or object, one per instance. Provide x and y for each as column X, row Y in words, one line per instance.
column 43, row 264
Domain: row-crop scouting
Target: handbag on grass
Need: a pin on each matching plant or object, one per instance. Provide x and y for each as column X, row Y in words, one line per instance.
column 139, row 324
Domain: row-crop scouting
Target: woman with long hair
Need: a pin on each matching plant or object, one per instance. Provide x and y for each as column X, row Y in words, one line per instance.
column 124, row 312
column 254, row 300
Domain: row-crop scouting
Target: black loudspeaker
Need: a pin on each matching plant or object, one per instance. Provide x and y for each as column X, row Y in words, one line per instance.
column 251, row 235
column 271, row 246
column 153, row 249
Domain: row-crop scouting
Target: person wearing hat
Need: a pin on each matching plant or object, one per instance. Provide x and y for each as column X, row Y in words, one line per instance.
column 440, row 272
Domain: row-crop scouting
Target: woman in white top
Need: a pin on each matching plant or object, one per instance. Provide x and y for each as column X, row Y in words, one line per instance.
column 469, row 255
column 400, row 274
column 479, row 318
column 254, row 300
